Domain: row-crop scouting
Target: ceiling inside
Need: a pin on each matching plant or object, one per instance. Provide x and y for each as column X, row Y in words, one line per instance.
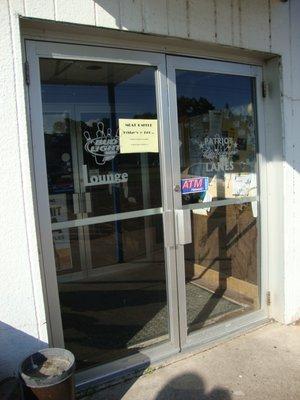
column 74, row 72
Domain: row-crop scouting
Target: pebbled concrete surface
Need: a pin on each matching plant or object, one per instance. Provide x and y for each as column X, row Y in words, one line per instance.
column 262, row 365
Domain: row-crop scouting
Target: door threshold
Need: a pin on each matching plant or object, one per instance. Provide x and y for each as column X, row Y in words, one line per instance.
column 91, row 382
column 124, row 368
column 224, row 330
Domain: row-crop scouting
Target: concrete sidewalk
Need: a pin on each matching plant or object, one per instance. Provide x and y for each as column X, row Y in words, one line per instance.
column 263, row 364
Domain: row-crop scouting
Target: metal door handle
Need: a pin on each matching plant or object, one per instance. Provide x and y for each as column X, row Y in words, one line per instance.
column 82, row 203
column 184, row 227
column 168, row 223
column 76, row 205
column 88, row 203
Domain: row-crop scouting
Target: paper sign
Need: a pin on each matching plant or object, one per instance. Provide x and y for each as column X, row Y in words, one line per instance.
column 206, row 210
column 194, row 185
column 244, row 185
column 61, row 238
column 138, row 136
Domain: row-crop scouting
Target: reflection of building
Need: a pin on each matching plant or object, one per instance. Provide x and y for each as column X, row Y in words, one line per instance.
column 236, row 124
column 108, row 266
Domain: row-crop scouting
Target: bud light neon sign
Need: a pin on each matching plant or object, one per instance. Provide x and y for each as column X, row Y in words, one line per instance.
column 103, row 146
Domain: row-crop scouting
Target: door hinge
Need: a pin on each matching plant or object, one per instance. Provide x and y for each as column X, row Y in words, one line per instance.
column 264, row 89
column 268, row 297
column 27, row 76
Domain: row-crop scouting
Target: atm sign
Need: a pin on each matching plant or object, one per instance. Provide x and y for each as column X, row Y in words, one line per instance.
column 194, row 185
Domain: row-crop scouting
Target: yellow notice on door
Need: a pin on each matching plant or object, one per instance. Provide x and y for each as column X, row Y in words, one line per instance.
column 138, row 136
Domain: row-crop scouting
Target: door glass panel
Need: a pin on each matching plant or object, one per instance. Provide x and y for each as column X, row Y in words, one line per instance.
column 123, row 308
column 217, row 135
column 218, row 164
column 110, row 270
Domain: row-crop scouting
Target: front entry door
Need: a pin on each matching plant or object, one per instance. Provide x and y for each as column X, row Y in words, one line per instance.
column 217, row 154
column 147, row 180
column 102, row 160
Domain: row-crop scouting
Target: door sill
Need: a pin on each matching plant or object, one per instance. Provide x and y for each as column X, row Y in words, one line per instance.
column 213, row 334
column 110, row 374
column 124, row 368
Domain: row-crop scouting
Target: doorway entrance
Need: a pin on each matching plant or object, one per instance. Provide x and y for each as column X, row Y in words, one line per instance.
column 147, row 171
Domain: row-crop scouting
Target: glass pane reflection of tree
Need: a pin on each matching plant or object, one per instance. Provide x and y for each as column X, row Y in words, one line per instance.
column 217, row 129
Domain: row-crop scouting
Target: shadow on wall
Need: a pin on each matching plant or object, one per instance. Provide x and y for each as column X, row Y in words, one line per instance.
column 112, row 9
column 15, row 345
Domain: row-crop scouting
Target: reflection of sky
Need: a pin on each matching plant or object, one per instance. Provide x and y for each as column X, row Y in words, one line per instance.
column 132, row 97
column 73, row 94
column 218, row 89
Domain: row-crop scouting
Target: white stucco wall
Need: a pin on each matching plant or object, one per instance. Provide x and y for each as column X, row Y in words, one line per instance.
column 267, row 25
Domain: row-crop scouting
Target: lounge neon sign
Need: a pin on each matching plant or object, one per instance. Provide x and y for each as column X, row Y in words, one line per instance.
column 103, row 179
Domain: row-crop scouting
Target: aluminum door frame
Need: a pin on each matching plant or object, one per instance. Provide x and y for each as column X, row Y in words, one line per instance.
column 34, row 51
column 219, row 330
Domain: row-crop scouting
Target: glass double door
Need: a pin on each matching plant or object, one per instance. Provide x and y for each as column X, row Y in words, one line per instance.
column 217, row 154
column 147, row 174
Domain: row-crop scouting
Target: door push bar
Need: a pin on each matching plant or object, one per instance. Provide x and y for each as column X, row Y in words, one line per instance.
column 82, row 203
column 184, row 226
column 76, row 203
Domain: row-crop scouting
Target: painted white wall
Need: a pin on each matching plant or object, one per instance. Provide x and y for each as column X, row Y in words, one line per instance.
column 267, row 25
column 292, row 140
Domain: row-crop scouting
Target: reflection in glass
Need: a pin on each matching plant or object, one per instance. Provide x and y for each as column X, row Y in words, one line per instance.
column 83, row 101
column 221, row 264
column 217, row 134
column 218, row 161
column 120, row 308
column 111, row 275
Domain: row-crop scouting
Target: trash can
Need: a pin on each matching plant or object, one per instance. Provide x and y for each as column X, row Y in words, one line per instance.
column 48, row 374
